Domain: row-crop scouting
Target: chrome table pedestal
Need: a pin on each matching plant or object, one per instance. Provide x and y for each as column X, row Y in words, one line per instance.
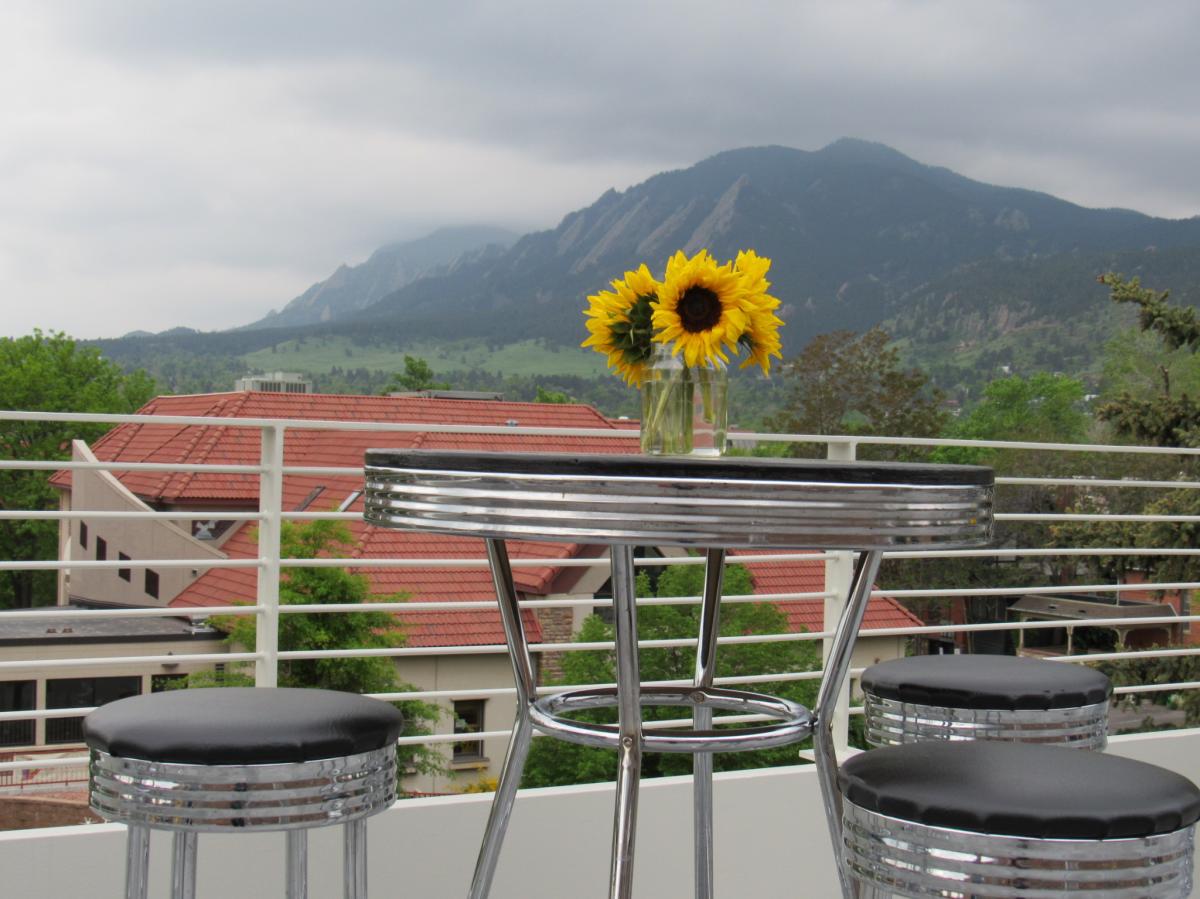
column 708, row 504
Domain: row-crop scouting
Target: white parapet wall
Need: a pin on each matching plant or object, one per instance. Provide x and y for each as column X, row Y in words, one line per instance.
column 770, row 837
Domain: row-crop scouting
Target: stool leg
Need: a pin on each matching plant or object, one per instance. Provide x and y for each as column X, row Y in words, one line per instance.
column 522, row 733
column 297, row 864
column 183, row 865
column 354, row 859
column 702, row 762
column 137, row 861
column 629, row 707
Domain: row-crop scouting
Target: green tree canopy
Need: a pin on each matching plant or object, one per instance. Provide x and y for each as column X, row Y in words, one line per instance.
column 341, row 630
column 555, row 763
column 847, row 383
column 417, row 375
column 1169, row 417
column 49, row 373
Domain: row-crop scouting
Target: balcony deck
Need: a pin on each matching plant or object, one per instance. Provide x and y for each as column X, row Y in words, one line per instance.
column 770, row 838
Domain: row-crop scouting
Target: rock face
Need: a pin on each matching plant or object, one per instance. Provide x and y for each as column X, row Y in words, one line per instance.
column 354, row 288
column 854, row 229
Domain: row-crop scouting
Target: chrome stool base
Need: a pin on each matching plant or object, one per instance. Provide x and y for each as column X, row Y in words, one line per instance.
column 189, row 799
column 889, row 857
column 890, row 722
column 794, row 721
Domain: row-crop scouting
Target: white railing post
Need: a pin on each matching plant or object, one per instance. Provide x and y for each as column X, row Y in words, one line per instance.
column 839, row 571
column 270, row 505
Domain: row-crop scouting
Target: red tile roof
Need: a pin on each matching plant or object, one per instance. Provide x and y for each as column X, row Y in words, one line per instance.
column 225, row 444
column 809, row 577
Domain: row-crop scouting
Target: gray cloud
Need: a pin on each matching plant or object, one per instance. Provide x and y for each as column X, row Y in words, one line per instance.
column 199, row 163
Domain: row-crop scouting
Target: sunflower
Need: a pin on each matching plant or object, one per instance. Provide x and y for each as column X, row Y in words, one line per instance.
column 761, row 337
column 620, row 323
column 702, row 308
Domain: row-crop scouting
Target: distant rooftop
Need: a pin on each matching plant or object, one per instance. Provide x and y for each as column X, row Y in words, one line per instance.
column 65, row 625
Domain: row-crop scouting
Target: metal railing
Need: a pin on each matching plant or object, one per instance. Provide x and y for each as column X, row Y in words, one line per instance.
column 270, row 516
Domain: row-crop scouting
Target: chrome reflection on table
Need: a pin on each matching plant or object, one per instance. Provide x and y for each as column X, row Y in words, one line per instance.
column 706, row 503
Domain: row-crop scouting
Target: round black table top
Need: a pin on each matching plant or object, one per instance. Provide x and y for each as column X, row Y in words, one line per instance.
column 736, row 468
column 1020, row 790
column 987, row 682
column 680, row 500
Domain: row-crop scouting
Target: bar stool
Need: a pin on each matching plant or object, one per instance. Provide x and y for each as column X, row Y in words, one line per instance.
column 985, row 697
column 222, row 759
column 992, row 819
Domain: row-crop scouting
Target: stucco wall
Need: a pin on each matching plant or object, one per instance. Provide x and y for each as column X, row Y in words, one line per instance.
column 138, row 539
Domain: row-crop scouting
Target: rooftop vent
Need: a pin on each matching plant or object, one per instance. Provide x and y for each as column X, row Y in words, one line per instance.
column 275, row 382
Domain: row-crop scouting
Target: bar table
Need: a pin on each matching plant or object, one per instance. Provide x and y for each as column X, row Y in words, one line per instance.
column 703, row 503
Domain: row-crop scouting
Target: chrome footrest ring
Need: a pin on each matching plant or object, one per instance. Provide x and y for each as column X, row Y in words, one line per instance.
column 793, row 722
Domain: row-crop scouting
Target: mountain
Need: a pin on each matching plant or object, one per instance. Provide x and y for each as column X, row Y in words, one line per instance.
column 391, row 267
column 854, row 230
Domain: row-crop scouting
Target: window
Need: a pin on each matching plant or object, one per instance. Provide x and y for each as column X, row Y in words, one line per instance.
column 82, row 692
column 83, row 534
column 152, row 583
column 17, row 696
column 124, row 573
column 101, row 549
column 468, row 719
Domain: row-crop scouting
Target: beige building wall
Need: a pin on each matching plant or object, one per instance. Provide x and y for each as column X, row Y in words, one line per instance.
column 46, row 654
column 138, row 539
column 476, row 676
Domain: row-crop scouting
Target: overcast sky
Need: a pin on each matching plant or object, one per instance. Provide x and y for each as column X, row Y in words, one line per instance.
column 200, row 162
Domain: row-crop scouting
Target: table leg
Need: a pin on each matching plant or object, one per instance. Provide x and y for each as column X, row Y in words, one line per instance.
column 702, row 762
column 837, row 666
column 629, row 707
column 518, row 745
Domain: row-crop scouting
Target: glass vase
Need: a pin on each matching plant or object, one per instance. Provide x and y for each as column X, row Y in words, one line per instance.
column 685, row 409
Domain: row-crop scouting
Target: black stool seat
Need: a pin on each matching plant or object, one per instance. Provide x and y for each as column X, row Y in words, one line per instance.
column 242, row 726
column 1020, row 790
column 986, row 682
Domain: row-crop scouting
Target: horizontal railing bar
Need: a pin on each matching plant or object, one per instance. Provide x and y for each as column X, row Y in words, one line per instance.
column 313, row 424
column 1069, row 516
column 585, row 562
column 73, row 514
column 846, row 440
column 29, row 714
column 73, row 761
column 1093, row 482
column 1128, row 655
column 110, row 661
column 600, row 561
column 181, row 467
column 1158, row 688
column 1040, row 552
column 490, row 604
column 1009, row 591
column 57, row 613
column 40, row 565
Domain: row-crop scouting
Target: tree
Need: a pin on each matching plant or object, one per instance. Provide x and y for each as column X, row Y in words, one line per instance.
column 551, row 396
column 1164, row 419
column 1042, row 408
column 341, row 630
column 554, row 763
column 417, row 375
column 1150, row 413
column 49, row 373
column 847, row 383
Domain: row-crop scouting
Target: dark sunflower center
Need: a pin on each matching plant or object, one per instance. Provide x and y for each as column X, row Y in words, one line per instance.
column 699, row 309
